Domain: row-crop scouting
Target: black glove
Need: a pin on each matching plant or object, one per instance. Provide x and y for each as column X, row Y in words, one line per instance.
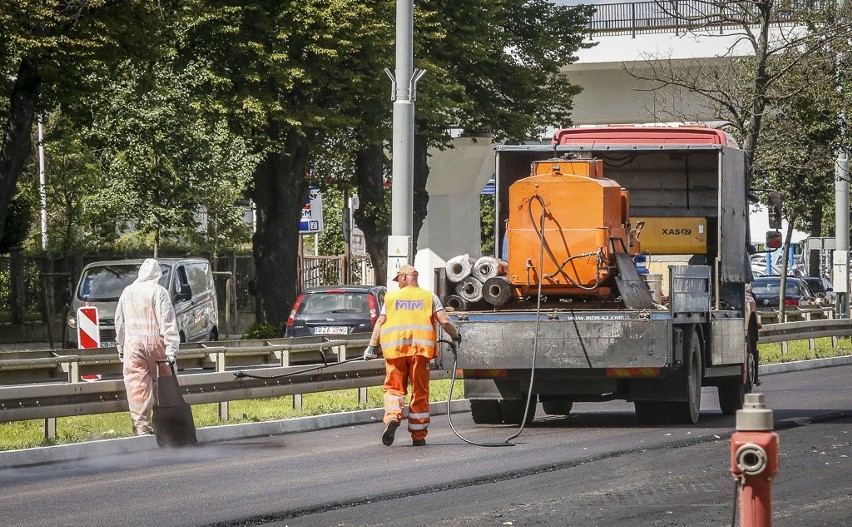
column 457, row 339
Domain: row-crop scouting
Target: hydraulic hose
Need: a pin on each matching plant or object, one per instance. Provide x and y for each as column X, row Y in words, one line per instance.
column 450, row 400
column 325, row 364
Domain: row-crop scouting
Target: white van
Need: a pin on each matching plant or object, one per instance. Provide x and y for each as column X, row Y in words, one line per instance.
column 189, row 281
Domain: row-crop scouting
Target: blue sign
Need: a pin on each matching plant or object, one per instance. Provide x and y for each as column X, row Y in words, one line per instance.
column 311, row 221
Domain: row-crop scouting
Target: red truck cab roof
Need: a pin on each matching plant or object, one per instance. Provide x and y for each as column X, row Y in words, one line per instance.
column 628, row 134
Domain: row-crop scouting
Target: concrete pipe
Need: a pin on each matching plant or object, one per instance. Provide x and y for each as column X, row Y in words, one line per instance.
column 488, row 267
column 470, row 289
column 459, row 267
column 496, row 290
column 456, row 303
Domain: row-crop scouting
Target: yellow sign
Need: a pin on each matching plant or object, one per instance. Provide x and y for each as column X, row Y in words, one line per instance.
column 682, row 235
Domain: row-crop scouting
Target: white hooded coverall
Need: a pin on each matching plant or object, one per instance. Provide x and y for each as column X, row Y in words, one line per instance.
column 145, row 332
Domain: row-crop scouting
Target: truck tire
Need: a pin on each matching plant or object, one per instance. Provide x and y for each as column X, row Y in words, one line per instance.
column 557, row 406
column 752, row 360
column 686, row 412
column 512, row 411
column 732, row 394
column 485, row 411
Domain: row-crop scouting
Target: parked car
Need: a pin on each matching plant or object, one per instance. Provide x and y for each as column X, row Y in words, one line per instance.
column 822, row 289
column 189, row 281
column 767, row 291
column 335, row 310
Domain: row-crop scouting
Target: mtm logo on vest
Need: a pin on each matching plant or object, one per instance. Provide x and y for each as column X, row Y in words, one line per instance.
column 409, row 305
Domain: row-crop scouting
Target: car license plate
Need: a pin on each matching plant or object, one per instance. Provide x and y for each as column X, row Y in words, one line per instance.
column 108, row 344
column 331, row 330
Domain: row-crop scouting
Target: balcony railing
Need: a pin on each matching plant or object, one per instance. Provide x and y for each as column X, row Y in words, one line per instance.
column 679, row 16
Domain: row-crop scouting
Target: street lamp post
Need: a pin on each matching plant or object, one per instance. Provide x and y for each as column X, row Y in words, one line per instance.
column 840, row 276
column 404, row 87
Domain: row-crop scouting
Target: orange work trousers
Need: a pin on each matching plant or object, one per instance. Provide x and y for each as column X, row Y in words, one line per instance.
column 398, row 373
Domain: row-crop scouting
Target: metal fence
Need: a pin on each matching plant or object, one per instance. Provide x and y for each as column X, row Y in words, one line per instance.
column 679, row 16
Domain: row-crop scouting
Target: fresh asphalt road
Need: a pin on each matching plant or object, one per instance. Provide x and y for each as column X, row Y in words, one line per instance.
column 595, row 467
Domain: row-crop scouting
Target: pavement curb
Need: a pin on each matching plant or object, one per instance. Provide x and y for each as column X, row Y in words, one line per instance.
column 801, row 365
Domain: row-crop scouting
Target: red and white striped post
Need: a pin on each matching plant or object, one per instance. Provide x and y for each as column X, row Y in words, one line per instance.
column 88, row 331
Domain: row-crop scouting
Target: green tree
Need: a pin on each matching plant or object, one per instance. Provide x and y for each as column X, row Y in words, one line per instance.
column 801, row 135
column 47, row 51
column 286, row 74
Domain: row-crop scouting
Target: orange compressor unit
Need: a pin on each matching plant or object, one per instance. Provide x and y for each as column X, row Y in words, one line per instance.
column 586, row 219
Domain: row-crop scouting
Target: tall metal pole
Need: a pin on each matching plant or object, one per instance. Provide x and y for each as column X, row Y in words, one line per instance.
column 42, row 179
column 404, row 83
column 841, row 202
column 841, row 233
column 403, row 123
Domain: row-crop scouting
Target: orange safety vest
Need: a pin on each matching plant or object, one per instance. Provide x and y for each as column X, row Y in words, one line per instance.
column 409, row 328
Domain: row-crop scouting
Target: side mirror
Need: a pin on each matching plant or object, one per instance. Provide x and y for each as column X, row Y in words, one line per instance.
column 773, row 239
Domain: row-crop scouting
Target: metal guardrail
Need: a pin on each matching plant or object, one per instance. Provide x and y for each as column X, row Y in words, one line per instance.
column 51, row 398
column 44, row 401
column 71, row 365
column 808, row 329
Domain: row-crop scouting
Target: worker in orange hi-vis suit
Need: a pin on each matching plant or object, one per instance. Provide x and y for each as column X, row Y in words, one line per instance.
column 146, row 331
column 406, row 330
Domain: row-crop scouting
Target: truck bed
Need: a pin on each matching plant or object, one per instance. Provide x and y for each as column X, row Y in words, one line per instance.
column 566, row 339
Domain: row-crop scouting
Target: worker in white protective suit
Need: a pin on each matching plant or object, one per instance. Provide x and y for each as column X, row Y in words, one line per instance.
column 146, row 331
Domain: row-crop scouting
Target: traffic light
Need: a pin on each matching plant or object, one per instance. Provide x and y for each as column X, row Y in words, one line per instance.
column 774, row 209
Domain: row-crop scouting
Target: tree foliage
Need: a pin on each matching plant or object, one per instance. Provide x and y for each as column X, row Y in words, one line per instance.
column 48, row 50
column 172, row 108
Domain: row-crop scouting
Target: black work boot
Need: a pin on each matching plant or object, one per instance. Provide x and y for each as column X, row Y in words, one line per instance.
column 390, row 430
column 418, row 442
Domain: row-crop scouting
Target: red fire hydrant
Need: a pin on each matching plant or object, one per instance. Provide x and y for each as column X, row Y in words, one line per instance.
column 754, row 461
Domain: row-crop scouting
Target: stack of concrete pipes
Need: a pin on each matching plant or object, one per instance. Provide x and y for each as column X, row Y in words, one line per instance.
column 477, row 280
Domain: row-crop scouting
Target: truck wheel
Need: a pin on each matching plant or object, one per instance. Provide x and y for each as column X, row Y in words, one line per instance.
column 732, row 394
column 512, row 411
column 687, row 412
column 485, row 411
column 752, row 361
column 557, row 406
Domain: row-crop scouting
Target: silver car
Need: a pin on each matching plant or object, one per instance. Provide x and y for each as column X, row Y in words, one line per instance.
column 189, row 281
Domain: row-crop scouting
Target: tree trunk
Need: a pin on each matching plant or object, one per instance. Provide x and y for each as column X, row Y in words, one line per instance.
column 280, row 191
column 421, row 196
column 782, row 308
column 17, row 134
column 372, row 216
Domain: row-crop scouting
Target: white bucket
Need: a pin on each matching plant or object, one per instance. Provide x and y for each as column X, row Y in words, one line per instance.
column 655, row 284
